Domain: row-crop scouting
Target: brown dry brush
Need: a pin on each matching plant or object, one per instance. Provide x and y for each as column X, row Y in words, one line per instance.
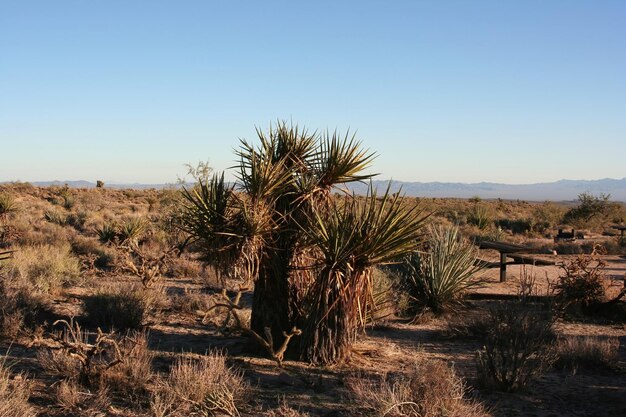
column 14, row 393
column 428, row 389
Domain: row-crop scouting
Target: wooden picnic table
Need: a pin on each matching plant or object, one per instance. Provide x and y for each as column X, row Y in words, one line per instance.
column 621, row 228
column 519, row 254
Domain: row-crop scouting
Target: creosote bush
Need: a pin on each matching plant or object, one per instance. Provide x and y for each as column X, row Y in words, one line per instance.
column 518, row 346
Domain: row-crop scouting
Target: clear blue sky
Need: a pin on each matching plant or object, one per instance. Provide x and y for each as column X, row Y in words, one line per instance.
column 128, row 91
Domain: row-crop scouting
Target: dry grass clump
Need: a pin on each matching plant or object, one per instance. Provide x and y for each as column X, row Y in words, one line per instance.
column 120, row 307
column 190, row 302
column 132, row 377
column 204, row 386
column 586, row 352
column 14, row 394
column 285, row 411
column 72, row 399
column 46, row 268
column 430, row 389
column 517, row 347
column 21, row 309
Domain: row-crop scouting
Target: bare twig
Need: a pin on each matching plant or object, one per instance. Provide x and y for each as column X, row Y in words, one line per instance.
column 266, row 342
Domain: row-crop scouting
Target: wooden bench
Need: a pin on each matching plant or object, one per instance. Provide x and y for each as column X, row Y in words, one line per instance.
column 519, row 254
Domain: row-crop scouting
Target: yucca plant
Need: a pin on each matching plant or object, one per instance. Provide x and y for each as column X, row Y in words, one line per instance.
column 132, row 229
column 7, row 206
column 479, row 217
column 351, row 238
column 439, row 274
column 309, row 253
column 107, row 232
column 54, row 216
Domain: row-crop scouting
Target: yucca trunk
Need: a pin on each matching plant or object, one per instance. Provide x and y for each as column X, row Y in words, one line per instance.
column 335, row 321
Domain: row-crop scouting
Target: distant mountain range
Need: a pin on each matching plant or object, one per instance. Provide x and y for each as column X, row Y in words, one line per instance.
column 554, row 191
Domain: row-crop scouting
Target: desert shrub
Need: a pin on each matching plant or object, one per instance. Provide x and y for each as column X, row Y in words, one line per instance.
column 590, row 210
column 581, row 283
column 117, row 307
column 77, row 220
column 586, row 352
column 185, row 267
column 547, row 216
column 429, row 389
column 479, row 216
column 516, row 226
column 74, row 400
column 438, row 277
column 14, row 394
column 132, row 376
column 21, row 309
column 89, row 248
column 568, row 248
column 46, row 268
column 384, row 298
column 204, row 386
column 96, row 360
column 190, row 302
column 517, row 346
column 467, row 326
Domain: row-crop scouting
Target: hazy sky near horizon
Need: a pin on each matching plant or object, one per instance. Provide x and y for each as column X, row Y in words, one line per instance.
column 129, row 91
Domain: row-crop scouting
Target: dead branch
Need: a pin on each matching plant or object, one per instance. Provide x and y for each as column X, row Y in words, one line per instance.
column 95, row 358
column 146, row 266
column 232, row 306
